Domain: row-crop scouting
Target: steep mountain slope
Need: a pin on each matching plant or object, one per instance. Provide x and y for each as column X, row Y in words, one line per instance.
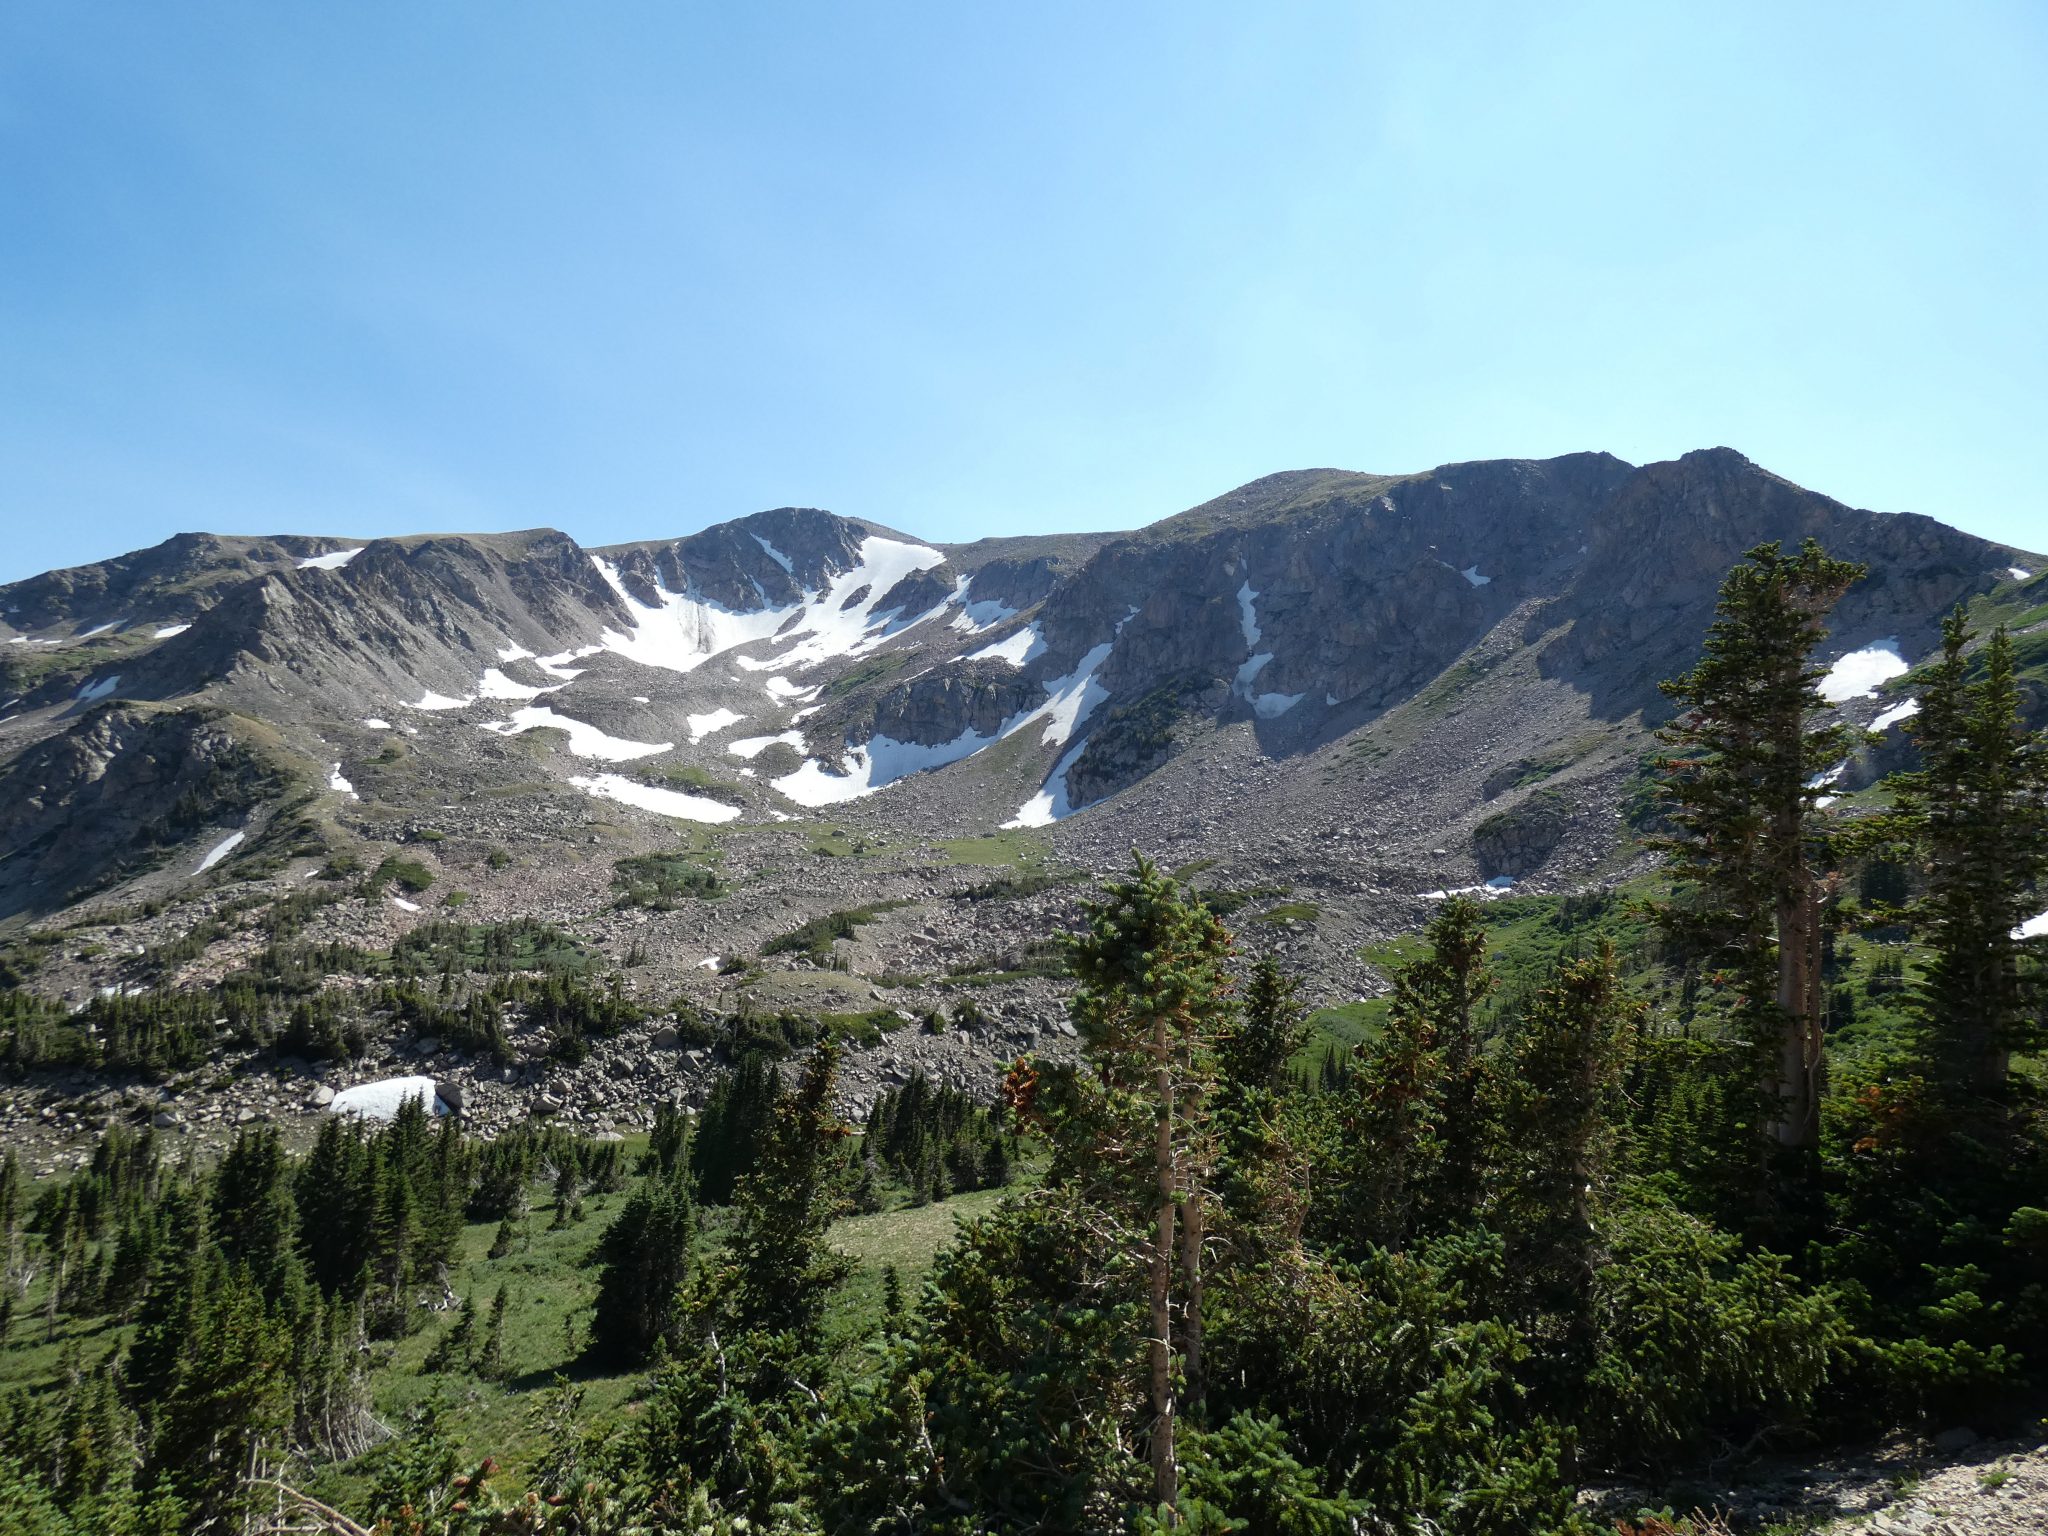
column 796, row 660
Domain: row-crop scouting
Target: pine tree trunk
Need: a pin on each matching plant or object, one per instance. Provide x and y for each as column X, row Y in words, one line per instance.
column 1165, row 1469
column 1797, row 1089
column 1192, row 1223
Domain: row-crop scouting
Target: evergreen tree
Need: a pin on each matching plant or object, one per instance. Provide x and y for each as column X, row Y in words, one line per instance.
column 252, row 1210
column 451, row 1351
column 490, row 1359
column 1567, row 1056
column 1740, row 787
column 1978, row 809
column 644, row 1257
column 729, row 1131
column 782, row 1270
column 1152, row 1005
column 1256, row 1046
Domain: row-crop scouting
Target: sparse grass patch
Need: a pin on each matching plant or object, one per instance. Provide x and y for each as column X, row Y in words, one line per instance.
column 1291, row 912
column 815, row 938
column 1015, row 848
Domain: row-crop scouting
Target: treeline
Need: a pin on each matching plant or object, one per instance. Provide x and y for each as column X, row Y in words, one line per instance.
column 248, row 1296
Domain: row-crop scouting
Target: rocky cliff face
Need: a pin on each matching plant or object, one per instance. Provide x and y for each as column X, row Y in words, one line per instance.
column 117, row 793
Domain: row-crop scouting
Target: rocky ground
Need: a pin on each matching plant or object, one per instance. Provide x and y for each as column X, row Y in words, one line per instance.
column 1957, row 1483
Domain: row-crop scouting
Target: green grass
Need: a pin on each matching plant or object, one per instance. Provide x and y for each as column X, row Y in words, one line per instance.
column 911, row 1238
column 838, row 843
column 863, row 1028
column 1291, row 912
column 411, row 875
column 1340, row 1027
column 815, row 937
column 1015, row 849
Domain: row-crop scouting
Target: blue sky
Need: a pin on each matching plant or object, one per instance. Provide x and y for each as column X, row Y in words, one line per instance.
column 631, row 269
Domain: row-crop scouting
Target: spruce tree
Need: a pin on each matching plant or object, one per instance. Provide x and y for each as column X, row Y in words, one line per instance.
column 1740, row 786
column 1151, row 1009
column 490, row 1358
column 1978, row 810
column 782, row 1270
column 1567, row 1056
column 643, row 1258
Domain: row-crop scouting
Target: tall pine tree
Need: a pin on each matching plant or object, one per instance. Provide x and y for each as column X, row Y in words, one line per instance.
column 1740, row 786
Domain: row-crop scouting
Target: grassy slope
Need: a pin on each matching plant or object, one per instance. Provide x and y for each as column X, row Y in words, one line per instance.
column 550, row 1287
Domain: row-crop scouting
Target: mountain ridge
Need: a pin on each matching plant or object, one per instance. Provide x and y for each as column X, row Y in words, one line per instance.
column 1298, row 610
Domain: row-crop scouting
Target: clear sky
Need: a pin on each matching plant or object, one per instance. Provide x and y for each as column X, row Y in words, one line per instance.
column 628, row 269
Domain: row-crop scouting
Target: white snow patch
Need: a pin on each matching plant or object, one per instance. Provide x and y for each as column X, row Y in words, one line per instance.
column 514, row 653
column 1247, row 616
column 377, row 723
column 554, row 665
column 169, row 630
column 774, row 554
column 383, row 1100
column 2019, row 573
column 336, row 782
column 1471, row 574
column 882, row 760
column 1025, row 646
column 680, row 631
column 97, row 629
column 1252, row 667
column 782, row 688
column 1828, row 776
column 496, row 685
column 834, row 624
column 705, row 725
column 974, row 617
column 433, row 700
column 219, row 851
column 1050, row 804
column 708, row 963
column 1859, row 674
column 812, row 785
column 100, row 689
column 648, row 797
column 1270, row 706
column 641, row 698
column 332, row 561
column 1895, row 714
column 585, row 739
column 751, row 747
column 409, row 906
column 2032, row 928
